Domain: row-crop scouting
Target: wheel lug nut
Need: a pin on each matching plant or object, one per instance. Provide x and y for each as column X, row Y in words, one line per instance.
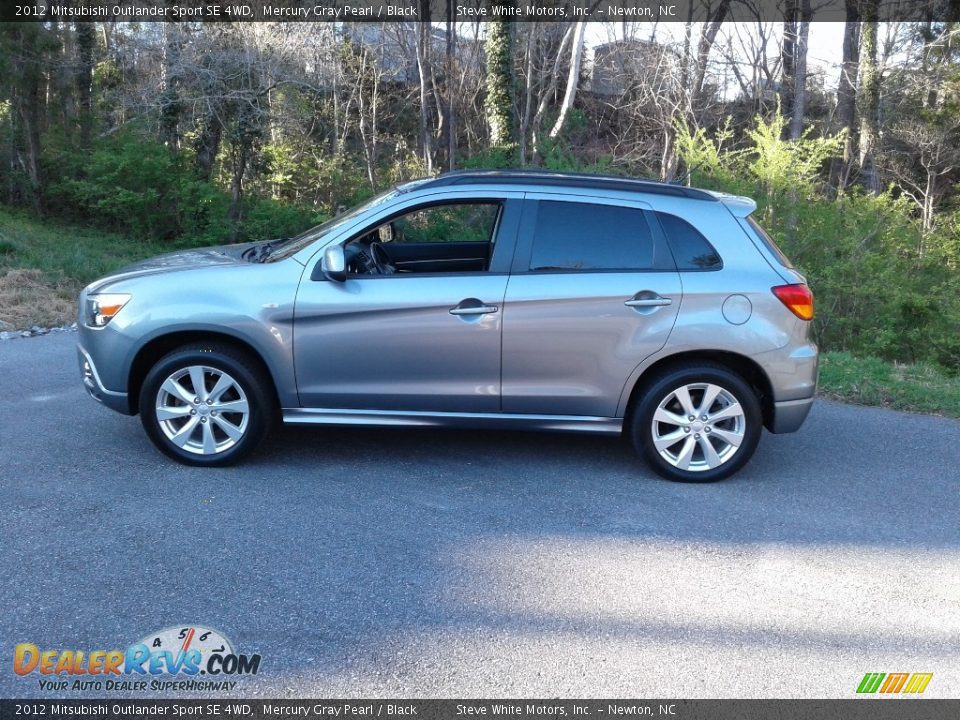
column 697, row 435
column 214, row 413
column 196, row 399
column 706, row 429
column 691, row 417
column 703, row 417
column 193, row 412
column 686, row 429
column 203, row 419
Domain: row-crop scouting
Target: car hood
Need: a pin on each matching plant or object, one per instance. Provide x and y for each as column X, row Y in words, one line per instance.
column 180, row 260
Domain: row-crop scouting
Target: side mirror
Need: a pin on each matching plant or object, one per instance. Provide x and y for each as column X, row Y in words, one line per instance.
column 334, row 264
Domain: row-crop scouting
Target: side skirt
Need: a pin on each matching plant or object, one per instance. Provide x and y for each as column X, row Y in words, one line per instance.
column 492, row 421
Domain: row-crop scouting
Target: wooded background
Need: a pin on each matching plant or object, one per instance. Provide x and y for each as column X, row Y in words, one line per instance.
column 195, row 133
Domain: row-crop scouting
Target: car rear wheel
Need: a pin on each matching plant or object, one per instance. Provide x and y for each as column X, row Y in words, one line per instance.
column 205, row 405
column 697, row 423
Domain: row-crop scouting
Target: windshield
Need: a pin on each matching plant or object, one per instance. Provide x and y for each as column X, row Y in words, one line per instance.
column 296, row 244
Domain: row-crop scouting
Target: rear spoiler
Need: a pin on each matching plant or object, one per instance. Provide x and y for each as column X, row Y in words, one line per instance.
column 738, row 205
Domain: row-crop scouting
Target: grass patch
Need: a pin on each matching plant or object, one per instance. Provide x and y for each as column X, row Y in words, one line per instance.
column 45, row 264
column 921, row 387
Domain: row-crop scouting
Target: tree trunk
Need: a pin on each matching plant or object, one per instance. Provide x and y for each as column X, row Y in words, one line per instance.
column 27, row 105
column 573, row 78
column 707, row 39
column 668, row 159
column 208, row 144
column 235, row 212
column 170, row 108
column 527, row 117
column 368, row 116
column 85, row 42
column 62, row 80
column 423, row 66
column 500, row 91
column 548, row 92
column 451, row 104
column 845, row 114
column 788, row 58
column 868, row 101
column 800, row 73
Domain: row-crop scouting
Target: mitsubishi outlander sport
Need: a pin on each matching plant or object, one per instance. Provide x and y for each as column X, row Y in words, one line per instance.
column 491, row 299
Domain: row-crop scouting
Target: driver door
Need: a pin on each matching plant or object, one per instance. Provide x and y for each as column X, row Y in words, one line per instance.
column 418, row 341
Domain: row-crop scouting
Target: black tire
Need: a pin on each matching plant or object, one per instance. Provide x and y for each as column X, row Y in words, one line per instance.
column 248, row 378
column 661, row 388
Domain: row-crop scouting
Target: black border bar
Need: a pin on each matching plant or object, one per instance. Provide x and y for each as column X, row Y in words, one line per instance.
column 873, row 708
column 463, row 10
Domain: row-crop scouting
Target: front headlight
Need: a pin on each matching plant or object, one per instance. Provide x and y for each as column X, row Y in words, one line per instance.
column 102, row 307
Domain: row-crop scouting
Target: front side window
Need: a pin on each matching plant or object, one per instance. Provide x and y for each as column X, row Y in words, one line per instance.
column 441, row 238
column 459, row 223
column 589, row 237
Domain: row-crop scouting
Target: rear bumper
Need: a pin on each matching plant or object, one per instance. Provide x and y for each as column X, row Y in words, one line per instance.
column 788, row 415
column 91, row 381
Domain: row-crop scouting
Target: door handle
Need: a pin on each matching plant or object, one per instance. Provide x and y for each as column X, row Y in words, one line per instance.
column 648, row 302
column 472, row 306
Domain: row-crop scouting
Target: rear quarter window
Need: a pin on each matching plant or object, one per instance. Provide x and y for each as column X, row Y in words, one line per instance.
column 691, row 250
column 768, row 242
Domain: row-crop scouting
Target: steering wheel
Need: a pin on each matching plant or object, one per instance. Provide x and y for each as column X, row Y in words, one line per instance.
column 380, row 259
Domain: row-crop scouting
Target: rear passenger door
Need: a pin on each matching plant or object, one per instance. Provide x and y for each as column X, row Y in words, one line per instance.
column 593, row 291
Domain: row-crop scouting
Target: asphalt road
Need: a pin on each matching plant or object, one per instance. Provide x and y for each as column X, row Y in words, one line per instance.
column 390, row 563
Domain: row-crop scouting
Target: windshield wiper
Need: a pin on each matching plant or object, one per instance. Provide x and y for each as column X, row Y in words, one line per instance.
column 263, row 251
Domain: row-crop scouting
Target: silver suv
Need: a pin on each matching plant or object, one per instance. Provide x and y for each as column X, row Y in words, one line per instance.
column 498, row 299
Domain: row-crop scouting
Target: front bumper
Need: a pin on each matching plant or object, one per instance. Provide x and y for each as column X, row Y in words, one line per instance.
column 91, row 381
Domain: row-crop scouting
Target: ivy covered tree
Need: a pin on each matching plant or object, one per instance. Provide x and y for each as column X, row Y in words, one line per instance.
column 500, row 86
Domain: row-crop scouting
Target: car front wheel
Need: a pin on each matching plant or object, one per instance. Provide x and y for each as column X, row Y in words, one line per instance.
column 205, row 405
column 697, row 423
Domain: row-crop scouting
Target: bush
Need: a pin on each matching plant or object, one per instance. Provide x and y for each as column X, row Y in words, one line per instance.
column 876, row 293
column 264, row 218
column 136, row 186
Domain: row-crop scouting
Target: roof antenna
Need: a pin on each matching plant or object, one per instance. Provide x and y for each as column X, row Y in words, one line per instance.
column 686, row 176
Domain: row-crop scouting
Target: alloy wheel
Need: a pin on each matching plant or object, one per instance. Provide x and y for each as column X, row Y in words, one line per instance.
column 698, row 427
column 202, row 410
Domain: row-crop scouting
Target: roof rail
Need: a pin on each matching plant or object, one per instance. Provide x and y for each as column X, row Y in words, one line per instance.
column 558, row 179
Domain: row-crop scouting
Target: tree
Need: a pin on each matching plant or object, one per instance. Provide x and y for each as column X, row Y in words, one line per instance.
column 451, row 54
column 868, row 99
column 27, row 45
column 573, row 78
column 170, row 105
column 85, row 44
column 788, row 59
column 845, row 113
column 425, row 72
column 500, row 87
column 800, row 72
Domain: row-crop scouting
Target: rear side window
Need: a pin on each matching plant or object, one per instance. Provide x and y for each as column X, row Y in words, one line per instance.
column 690, row 248
column 584, row 236
column 769, row 243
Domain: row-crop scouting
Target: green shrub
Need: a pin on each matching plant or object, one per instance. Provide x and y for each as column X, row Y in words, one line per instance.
column 136, row 186
column 876, row 293
column 266, row 219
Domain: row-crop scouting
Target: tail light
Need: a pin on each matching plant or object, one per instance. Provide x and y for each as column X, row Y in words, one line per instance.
column 797, row 298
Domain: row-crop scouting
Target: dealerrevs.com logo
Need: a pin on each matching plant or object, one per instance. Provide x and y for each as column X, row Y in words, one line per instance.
column 183, row 652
